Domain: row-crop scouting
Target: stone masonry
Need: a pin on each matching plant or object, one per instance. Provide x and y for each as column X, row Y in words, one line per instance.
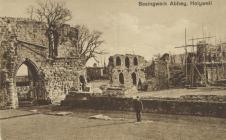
column 24, row 41
column 157, row 73
column 126, row 70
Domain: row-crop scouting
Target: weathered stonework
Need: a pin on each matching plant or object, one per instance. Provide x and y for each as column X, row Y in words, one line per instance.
column 133, row 70
column 62, row 77
column 157, row 73
column 127, row 70
column 24, row 41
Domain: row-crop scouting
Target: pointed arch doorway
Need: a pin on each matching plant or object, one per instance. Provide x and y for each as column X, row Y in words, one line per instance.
column 27, row 83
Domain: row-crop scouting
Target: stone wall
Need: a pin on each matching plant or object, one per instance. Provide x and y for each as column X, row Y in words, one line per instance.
column 208, row 106
column 61, row 77
column 126, row 70
column 133, row 70
column 23, row 41
column 34, row 32
column 157, row 74
column 24, row 29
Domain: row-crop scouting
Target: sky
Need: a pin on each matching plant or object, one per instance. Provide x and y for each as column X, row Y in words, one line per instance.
column 130, row 28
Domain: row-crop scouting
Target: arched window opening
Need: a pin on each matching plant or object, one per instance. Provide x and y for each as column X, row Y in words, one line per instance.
column 118, row 61
column 127, row 63
column 111, row 61
column 135, row 61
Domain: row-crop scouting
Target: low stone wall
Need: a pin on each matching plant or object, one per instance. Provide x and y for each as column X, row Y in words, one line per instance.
column 182, row 107
column 185, row 107
column 204, row 98
column 100, row 103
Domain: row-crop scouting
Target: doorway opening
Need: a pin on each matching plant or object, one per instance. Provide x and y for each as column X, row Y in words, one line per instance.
column 134, row 78
column 121, row 78
column 27, row 83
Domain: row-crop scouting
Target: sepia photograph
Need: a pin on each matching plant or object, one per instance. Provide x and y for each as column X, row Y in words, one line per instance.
column 112, row 70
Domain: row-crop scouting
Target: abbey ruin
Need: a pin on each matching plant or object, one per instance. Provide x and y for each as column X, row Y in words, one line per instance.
column 24, row 41
column 52, row 74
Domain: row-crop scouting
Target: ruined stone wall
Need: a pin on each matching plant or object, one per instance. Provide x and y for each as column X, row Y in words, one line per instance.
column 126, row 66
column 203, row 105
column 24, row 41
column 158, row 73
column 34, row 32
column 162, row 74
column 62, row 76
column 153, row 76
column 25, row 30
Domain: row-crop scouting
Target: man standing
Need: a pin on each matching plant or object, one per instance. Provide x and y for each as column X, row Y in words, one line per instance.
column 138, row 107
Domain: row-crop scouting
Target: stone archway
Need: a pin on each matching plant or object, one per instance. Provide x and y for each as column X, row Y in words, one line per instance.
column 33, row 85
column 27, row 44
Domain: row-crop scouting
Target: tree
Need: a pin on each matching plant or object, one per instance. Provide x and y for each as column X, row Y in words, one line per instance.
column 54, row 14
column 30, row 11
column 86, row 43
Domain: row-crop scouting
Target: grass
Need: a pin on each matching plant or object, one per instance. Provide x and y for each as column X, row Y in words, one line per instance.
column 78, row 127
